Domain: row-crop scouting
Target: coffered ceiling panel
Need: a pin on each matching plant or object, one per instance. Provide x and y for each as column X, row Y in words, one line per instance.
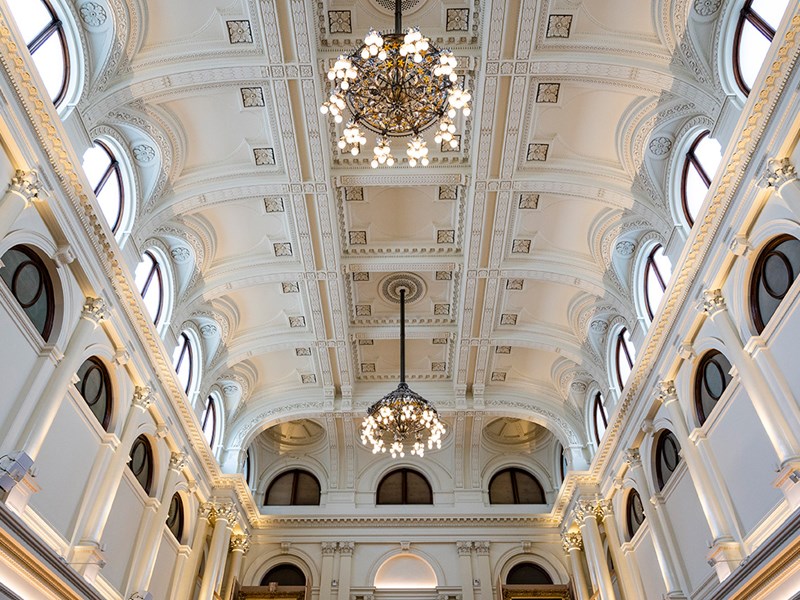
column 256, row 239
column 173, row 25
column 523, row 366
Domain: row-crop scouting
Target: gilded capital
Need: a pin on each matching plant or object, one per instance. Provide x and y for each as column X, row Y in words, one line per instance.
column 240, row 543
column 222, row 511
column 142, row 397
column 633, row 458
column 713, row 302
column 177, row 461
column 204, row 510
column 94, row 309
column 778, row 172
column 571, row 540
column 26, row 184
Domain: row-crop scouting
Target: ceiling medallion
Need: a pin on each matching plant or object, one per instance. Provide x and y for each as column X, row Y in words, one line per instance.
column 402, row 416
column 396, row 85
column 391, row 285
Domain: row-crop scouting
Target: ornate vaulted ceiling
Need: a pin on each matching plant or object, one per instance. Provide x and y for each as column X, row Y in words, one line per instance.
column 288, row 253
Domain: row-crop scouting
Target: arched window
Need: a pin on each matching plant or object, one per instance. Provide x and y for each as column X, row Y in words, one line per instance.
column 755, row 30
column 710, row 381
column 776, row 268
column 183, row 360
column 515, row 486
column 175, row 516
column 667, row 457
column 625, row 356
column 284, row 575
column 657, row 271
column 150, row 283
column 404, row 486
column 208, row 421
column 105, row 176
column 293, row 488
column 699, row 166
column 26, row 276
column 528, row 574
column 43, row 33
column 94, row 384
column 634, row 513
column 599, row 417
column 141, row 462
column 247, row 466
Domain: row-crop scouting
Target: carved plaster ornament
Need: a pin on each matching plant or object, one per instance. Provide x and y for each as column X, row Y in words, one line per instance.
column 95, row 310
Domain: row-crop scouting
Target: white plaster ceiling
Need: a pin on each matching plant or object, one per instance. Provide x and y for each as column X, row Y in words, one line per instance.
column 512, row 235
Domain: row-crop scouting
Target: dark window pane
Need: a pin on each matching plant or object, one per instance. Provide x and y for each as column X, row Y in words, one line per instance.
column 94, row 384
column 667, row 457
column 293, row 488
column 710, row 382
column 500, row 489
column 141, row 462
column 528, row 489
column 404, row 486
column 26, row 276
column 528, row 574
column 284, row 575
column 175, row 516
column 775, row 271
column 417, row 489
column 634, row 512
column 307, row 492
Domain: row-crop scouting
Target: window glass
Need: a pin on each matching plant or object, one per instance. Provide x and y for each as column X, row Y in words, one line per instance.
column 141, row 462
column 284, row 575
column 634, row 512
column 183, row 361
column 700, row 165
column 515, row 486
column 711, row 379
column 150, row 284
column 208, row 421
column 404, row 486
column 43, row 33
column 175, row 516
column 776, row 268
column 626, row 356
column 657, row 273
column 27, row 278
column 528, row 574
column 248, row 464
column 667, row 457
column 104, row 175
column 94, row 384
column 600, row 415
column 755, row 31
column 293, row 488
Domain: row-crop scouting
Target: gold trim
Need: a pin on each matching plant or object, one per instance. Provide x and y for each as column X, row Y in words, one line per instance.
column 536, row 592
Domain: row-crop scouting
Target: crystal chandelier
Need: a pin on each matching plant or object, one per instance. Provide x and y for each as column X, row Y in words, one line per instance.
column 396, row 85
column 402, row 416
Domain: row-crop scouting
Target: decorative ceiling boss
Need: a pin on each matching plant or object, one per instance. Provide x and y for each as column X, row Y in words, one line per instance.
column 396, row 85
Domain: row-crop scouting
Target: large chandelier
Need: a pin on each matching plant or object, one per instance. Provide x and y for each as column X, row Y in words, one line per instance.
column 402, row 416
column 396, row 85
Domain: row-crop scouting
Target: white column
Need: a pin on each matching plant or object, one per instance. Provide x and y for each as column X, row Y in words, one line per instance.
column 625, row 576
column 326, row 572
column 346, row 550
column 145, row 559
column 484, row 568
column 573, row 543
column 23, row 189
column 784, row 439
column 668, row 570
column 187, row 582
column 238, row 548
column 781, row 175
column 465, row 569
column 44, row 413
column 97, row 515
column 221, row 518
column 586, row 516
column 727, row 550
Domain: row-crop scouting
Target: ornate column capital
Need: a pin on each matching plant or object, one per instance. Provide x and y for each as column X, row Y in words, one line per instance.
column 177, row 461
column 778, row 172
column 328, row 548
column 240, row 543
column 633, row 458
column 481, row 548
column 603, row 509
column 222, row 511
column 571, row 540
column 665, row 391
column 464, row 548
column 142, row 397
column 95, row 310
column 25, row 184
column 346, row 548
column 204, row 510
column 713, row 302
